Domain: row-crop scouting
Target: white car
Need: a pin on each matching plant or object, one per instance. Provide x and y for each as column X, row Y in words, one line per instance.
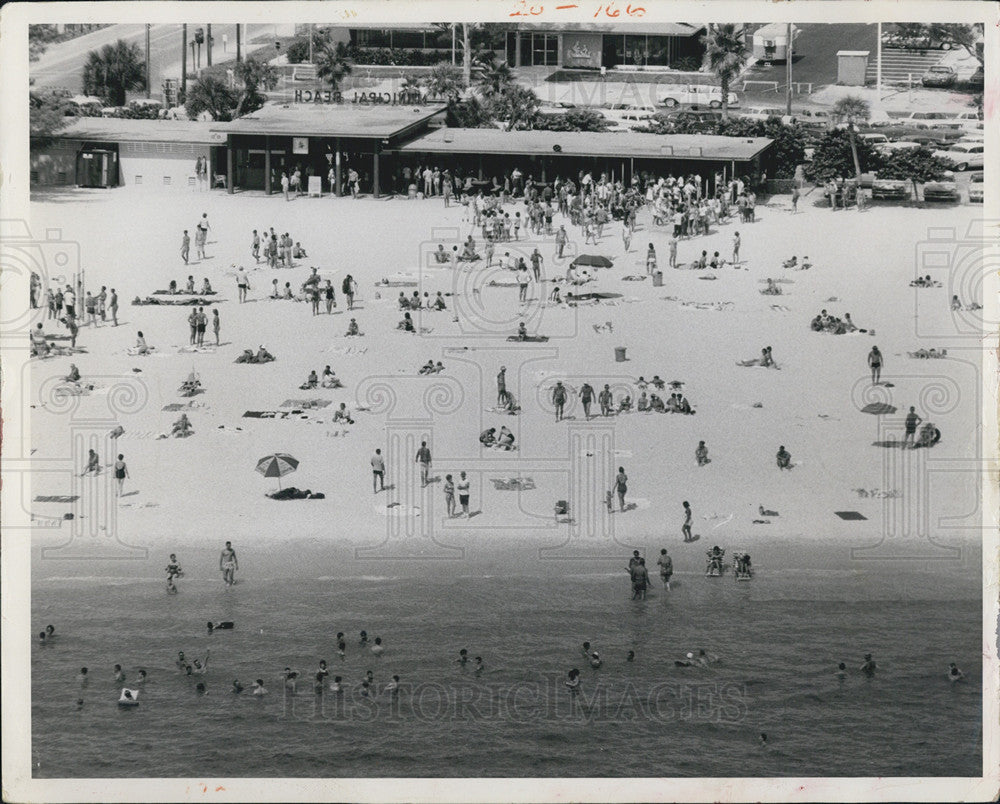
column 875, row 140
column 968, row 121
column 964, row 155
column 976, row 188
column 901, row 145
column 766, row 113
column 928, row 120
column 696, row 94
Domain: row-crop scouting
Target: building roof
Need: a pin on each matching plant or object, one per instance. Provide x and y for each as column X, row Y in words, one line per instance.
column 635, row 28
column 330, row 120
column 117, row 129
column 586, row 143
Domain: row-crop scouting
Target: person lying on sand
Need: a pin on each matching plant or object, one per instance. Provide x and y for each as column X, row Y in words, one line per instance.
column 292, row 493
column 924, row 282
column 182, row 427
column 925, row 354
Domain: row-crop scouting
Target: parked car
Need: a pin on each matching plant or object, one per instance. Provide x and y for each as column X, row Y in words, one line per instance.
column 898, row 145
column 814, row 118
column 703, row 122
column 697, row 95
column 906, row 38
column 975, row 81
column 976, row 188
column 928, row 120
column 890, row 189
column 766, row 113
column 964, row 155
column 910, row 132
column 939, row 76
column 874, row 139
column 941, row 191
column 968, row 121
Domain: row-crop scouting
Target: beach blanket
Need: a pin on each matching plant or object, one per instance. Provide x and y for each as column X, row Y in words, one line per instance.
column 400, row 279
column 57, row 498
column 266, row 414
column 529, row 338
column 504, row 282
column 173, row 407
column 513, row 483
column 204, row 350
column 184, row 293
column 349, row 351
column 305, row 403
column 196, row 301
column 634, row 278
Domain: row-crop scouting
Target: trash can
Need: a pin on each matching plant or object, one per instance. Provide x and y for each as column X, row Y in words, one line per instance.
column 620, row 354
column 657, row 279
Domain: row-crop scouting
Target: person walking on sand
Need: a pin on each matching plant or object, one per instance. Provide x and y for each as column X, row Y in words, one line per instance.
column 686, row 527
column 912, row 420
column 606, row 400
column 424, row 459
column 701, row 454
column 650, row 259
column 736, row 248
column 875, row 364
column 449, row 495
column 559, row 399
column 561, row 240
column 348, row 287
column 795, row 199
column 113, row 306
column 673, row 252
column 463, row 493
column 121, row 472
column 587, row 395
column 185, row 247
column 621, row 486
column 502, row 386
column 378, row 472
column 216, row 323
column 242, row 284
column 228, row 564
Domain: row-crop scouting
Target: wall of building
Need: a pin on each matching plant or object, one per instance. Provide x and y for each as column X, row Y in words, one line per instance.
column 55, row 166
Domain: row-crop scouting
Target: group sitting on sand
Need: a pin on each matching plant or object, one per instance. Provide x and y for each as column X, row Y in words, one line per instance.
column 793, row 262
column 414, row 302
column 772, row 289
column 765, row 359
column 206, row 288
column 925, row 354
column 828, row 323
column 957, row 305
column 929, row 435
column 248, row 356
column 925, row 282
column 676, row 403
column 503, row 440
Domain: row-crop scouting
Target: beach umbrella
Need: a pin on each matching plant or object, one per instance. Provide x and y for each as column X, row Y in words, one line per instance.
column 277, row 465
column 593, row 260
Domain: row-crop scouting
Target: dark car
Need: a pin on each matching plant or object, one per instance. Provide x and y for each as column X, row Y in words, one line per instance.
column 975, row 81
column 899, row 131
column 890, row 189
column 939, row 76
column 945, row 191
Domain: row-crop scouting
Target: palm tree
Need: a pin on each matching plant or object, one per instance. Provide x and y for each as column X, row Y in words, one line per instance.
column 517, row 105
column 332, row 64
column 726, row 51
column 113, row 70
column 494, row 77
column 445, row 82
column 851, row 109
column 253, row 74
column 211, row 94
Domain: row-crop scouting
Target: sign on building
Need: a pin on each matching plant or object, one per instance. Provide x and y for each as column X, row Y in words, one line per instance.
column 300, row 145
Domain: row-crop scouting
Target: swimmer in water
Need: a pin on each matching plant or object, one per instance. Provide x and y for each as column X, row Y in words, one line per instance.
column 142, row 677
column 171, row 587
column 630, row 656
column 687, row 661
column 586, row 650
column 706, row 658
column 763, row 738
column 335, row 684
column 318, row 682
column 41, row 636
column 323, row 671
column 237, row 687
column 595, row 660
column 954, row 674
column 290, row 677
column 365, row 689
column 50, row 631
column 377, row 648
column 841, row 671
column 173, row 568
column 258, row 687
column 364, row 639
column 392, row 687
column 370, row 677
column 200, row 688
column 223, row 626
column 79, row 704
column 573, row 681
column 479, row 666
column 228, row 564
column 869, row 666
column 181, row 661
column 82, row 677
column 463, row 658
column 199, row 667
column 119, row 673
column 342, row 649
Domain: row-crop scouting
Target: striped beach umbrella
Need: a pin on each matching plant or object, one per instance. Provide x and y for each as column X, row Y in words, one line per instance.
column 277, row 465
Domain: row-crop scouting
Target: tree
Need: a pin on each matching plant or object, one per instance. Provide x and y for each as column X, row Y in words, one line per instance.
column 516, row 105
column 211, row 94
column 787, row 150
column 968, row 37
column 114, row 70
column 573, row 120
column 253, row 74
column 494, row 77
column 726, row 50
column 332, row 64
column 917, row 165
column 834, row 156
column 445, row 82
column 851, row 109
column 47, row 116
column 468, row 113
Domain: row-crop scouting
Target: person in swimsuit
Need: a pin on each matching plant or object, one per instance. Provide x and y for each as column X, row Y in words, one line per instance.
column 666, row 565
column 463, row 494
column 228, row 564
column 869, row 666
column 225, row 625
column 954, row 674
column 912, row 420
column 449, row 495
column 875, row 364
column 121, row 472
column 559, row 399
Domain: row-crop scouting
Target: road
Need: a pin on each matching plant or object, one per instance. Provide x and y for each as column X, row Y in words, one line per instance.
column 62, row 64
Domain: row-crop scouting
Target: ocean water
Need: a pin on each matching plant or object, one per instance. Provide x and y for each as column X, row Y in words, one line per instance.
column 779, row 639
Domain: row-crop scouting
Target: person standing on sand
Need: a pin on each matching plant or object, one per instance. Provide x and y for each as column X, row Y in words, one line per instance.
column 424, row 459
column 121, row 472
column 912, row 420
column 449, row 495
column 736, row 248
column 650, row 259
column 228, row 564
column 185, row 246
column 463, row 493
column 348, row 287
column 606, row 400
column 875, row 364
column 587, row 395
column 113, row 306
column 701, row 454
column 242, row 284
column 621, row 486
column 216, row 323
column 202, row 326
column 561, row 239
column 501, row 386
column 673, row 252
column 378, row 472
column 193, row 323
